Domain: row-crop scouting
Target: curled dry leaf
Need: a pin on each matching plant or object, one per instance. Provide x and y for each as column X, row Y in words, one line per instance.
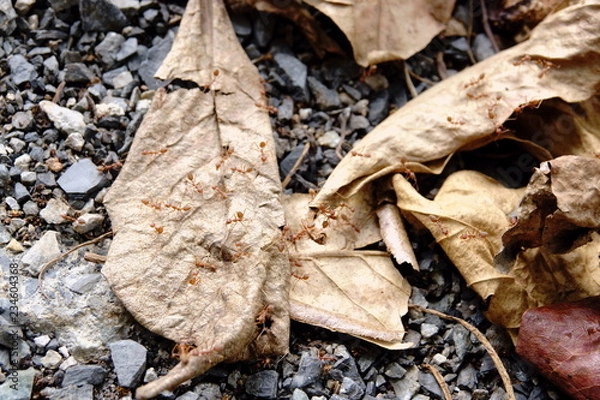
column 469, row 109
column 386, row 30
column 197, row 209
column 563, row 342
column 335, row 286
column 512, row 13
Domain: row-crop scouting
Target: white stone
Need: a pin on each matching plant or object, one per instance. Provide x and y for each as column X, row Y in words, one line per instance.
column 51, row 360
column 65, row 120
column 104, row 109
column 23, row 162
column 428, row 330
column 87, row 223
column 329, row 139
column 53, row 211
column 69, row 362
column 42, row 341
column 44, row 250
column 75, row 141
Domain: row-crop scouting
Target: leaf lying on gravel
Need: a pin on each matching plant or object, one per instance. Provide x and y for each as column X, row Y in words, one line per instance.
column 196, row 209
column 382, row 31
column 468, row 111
column 562, row 340
column 358, row 292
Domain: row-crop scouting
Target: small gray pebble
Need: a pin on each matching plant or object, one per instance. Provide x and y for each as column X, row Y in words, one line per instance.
column 78, row 374
column 263, row 384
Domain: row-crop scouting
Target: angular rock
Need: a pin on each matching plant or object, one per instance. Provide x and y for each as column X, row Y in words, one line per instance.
column 108, row 48
column 79, row 374
column 65, row 120
column 408, row 386
column 326, row 98
column 87, row 223
column 263, row 384
column 129, row 358
column 101, row 15
column 8, row 18
column 83, row 283
column 44, row 250
column 78, row 73
column 22, row 120
column 127, row 49
column 53, row 212
column 394, row 370
column 51, row 360
column 18, row 385
column 153, row 59
column 82, row 178
column 350, row 388
column 20, row 69
column 23, row 6
column 297, row 73
column 378, row 107
column 309, row 370
column 61, row 5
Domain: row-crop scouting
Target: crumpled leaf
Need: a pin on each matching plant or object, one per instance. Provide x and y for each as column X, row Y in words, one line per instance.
column 338, row 287
column 467, row 218
column 561, row 208
column 468, row 110
column 386, row 30
column 563, row 342
column 197, row 209
column 511, row 13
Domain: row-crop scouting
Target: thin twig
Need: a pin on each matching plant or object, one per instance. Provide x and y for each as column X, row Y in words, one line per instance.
column 482, row 339
column 426, row 81
column 486, row 27
column 49, row 263
column 288, row 178
column 344, row 115
column 470, row 32
column 440, row 380
column 409, row 83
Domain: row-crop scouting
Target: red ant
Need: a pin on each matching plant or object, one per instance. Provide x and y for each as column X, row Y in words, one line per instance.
column 204, row 265
column 239, row 217
column 357, row 154
column 226, row 152
column 455, row 122
column 270, row 109
column 177, row 208
column 154, row 152
column 475, row 81
column 206, row 88
column 528, row 105
column 436, row 220
column 242, row 171
column 114, row 166
column 263, row 156
column 156, row 206
column 472, row 235
column 197, row 187
column 157, row 229
column 219, row 191
column 301, row 277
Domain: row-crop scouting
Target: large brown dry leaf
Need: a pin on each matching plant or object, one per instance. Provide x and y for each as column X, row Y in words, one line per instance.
column 563, row 342
column 358, row 292
column 468, row 110
column 382, row 31
column 197, row 208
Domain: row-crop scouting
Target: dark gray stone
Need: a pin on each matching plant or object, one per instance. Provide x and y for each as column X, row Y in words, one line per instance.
column 358, row 122
column 285, row 111
column 71, row 392
column 21, row 193
column 4, row 174
column 208, row 391
column 129, row 358
column 428, row 382
column 263, row 29
column 378, row 107
column 297, row 73
column 352, row 389
column 78, row 73
column 188, row 396
column 153, row 59
column 263, row 384
column 108, row 48
column 47, row 179
column 101, row 15
column 326, row 98
column 467, row 377
column 309, row 370
column 80, row 374
column 128, row 48
column 8, row 17
column 394, row 370
column 60, row 5
column 21, row 70
column 82, row 178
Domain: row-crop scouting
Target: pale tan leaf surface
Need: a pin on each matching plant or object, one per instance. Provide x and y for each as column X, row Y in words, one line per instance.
column 382, row 31
column 467, row 219
column 466, row 110
column 394, row 235
column 358, row 292
column 197, row 210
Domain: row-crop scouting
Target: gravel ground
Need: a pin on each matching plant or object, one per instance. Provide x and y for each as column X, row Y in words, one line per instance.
column 73, row 91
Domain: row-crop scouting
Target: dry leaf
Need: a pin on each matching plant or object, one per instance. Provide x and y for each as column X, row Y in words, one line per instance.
column 358, row 292
column 197, row 208
column 468, row 110
column 513, row 13
column 386, row 30
column 563, row 342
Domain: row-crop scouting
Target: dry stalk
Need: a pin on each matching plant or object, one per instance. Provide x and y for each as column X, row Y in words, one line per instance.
column 440, row 380
column 482, row 339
